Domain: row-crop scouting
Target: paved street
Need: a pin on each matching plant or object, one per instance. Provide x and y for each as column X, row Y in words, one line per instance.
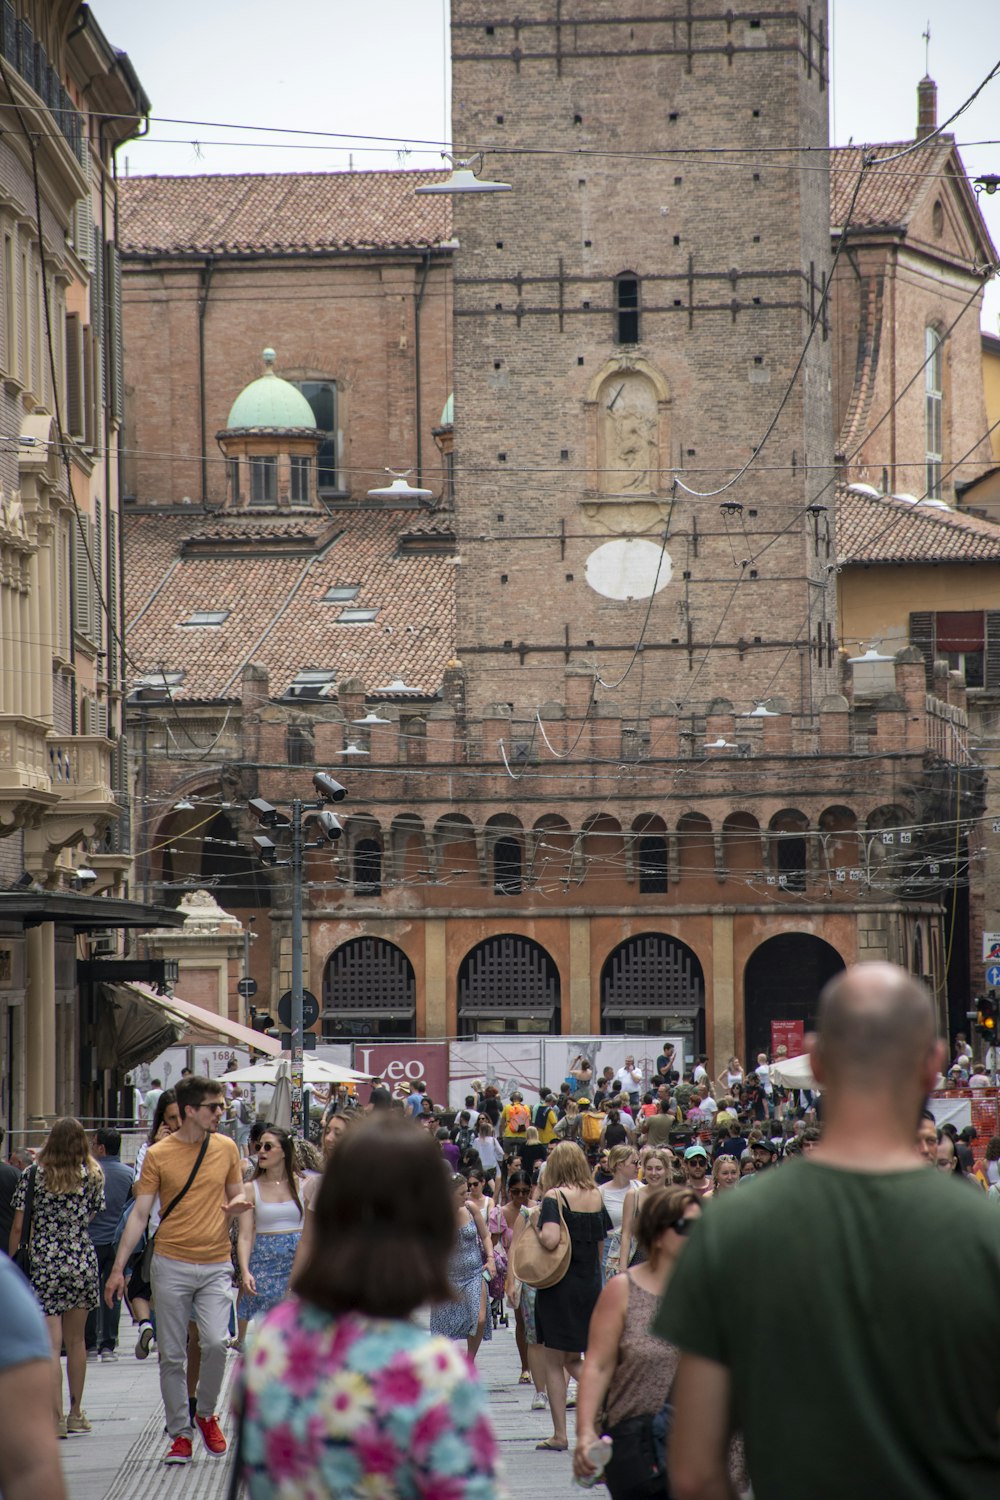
column 122, row 1458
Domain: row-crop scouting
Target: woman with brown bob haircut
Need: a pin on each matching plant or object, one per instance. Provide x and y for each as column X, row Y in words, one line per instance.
column 372, row 1394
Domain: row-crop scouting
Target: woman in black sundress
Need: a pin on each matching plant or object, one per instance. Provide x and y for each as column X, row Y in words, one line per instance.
column 562, row 1312
column 62, row 1267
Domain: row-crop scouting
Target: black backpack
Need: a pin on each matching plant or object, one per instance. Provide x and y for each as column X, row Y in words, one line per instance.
column 542, row 1116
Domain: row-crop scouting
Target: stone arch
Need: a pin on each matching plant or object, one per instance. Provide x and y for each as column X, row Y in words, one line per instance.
column 782, row 981
column 653, row 984
column 838, row 833
column 649, row 852
column 886, row 837
column 552, row 846
column 741, row 845
column 505, row 853
column 603, row 849
column 508, row 983
column 369, row 989
column 695, row 846
column 456, row 849
column 408, row 850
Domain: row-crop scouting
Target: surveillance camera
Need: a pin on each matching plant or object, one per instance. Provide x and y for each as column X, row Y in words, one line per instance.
column 329, row 790
column 267, row 852
column 330, row 824
column 265, row 814
column 85, row 875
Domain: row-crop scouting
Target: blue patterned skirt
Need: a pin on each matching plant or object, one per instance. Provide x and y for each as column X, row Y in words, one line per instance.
column 271, row 1267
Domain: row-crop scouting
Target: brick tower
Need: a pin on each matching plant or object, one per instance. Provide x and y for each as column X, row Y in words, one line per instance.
column 634, row 310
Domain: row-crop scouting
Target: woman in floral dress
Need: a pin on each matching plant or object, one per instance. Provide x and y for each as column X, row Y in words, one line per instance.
column 340, row 1393
column 62, row 1267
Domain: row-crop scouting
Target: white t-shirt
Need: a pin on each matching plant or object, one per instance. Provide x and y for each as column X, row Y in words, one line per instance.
column 701, row 1073
column 707, row 1106
column 764, row 1074
column 628, row 1080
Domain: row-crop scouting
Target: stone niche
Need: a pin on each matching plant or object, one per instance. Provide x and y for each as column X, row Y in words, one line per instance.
column 208, row 949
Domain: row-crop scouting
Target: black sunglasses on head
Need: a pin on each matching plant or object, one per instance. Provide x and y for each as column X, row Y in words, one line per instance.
column 683, row 1226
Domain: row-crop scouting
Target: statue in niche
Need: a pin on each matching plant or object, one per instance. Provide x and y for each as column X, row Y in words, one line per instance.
column 630, row 448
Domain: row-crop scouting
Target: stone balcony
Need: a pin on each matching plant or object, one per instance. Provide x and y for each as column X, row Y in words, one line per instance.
column 25, row 785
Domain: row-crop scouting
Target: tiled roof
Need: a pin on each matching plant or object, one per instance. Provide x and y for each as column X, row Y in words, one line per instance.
column 276, row 617
column 890, row 193
column 281, row 212
column 879, row 530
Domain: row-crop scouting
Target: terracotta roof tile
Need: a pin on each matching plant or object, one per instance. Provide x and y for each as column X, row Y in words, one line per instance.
column 280, row 212
column 881, row 530
column 276, row 614
column 890, row 193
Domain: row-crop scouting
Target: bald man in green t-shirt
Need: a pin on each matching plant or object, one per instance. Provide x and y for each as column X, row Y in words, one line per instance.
column 835, row 1360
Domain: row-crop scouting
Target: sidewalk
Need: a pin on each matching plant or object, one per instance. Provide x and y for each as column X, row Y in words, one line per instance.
column 122, row 1458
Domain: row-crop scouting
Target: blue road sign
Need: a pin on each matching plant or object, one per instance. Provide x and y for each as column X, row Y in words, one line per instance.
column 993, row 976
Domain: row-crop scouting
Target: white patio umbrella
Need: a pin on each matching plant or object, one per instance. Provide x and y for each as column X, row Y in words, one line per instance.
column 794, row 1073
column 280, row 1109
column 314, row 1070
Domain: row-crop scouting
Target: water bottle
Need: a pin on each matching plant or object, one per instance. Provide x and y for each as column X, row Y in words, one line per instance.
column 599, row 1454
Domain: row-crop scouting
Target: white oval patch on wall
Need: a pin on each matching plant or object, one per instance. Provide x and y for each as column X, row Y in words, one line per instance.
column 629, row 568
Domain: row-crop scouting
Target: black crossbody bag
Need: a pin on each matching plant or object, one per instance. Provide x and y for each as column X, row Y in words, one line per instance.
column 22, row 1255
column 146, row 1264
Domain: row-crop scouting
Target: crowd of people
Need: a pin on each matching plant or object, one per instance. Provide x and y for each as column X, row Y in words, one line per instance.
column 370, row 1275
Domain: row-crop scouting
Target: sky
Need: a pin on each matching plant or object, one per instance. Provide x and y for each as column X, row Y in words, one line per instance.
column 379, row 70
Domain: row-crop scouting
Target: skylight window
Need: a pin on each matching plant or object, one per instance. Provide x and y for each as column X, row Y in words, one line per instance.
column 356, row 616
column 312, row 683
column 159, row 679
column 200, row 617
column 341, row 593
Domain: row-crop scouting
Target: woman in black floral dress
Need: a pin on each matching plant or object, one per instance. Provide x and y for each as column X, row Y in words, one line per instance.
column 69, row 1191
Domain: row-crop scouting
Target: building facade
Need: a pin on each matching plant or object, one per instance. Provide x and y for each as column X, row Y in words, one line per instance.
column 609, row 767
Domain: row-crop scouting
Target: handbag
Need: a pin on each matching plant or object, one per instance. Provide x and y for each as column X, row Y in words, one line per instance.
column 146, row 1264
column 532, row 1263
column 22, row 1255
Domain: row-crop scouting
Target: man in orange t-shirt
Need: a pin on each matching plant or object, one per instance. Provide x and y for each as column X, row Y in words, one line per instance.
column 192, row 1270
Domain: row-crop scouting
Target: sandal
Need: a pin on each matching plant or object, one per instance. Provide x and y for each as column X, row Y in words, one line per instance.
column 552, row 1447
column 525, row 1378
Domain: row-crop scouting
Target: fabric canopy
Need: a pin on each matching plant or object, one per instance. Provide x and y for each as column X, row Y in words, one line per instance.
column 130, row 1032
column 793, row 1073
column 314, row 1070
column 188, row 1016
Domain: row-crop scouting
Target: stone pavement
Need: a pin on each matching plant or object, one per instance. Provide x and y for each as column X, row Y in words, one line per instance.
column 122, row 1459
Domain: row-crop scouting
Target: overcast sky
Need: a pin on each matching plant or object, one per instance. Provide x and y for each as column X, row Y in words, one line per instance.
column 379, row 70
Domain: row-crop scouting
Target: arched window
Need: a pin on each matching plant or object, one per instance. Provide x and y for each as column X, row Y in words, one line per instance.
column 367, row 868
column 322, row 397
column 652, row 864
column 507, row 867
column 934, row 409
column 627, row 308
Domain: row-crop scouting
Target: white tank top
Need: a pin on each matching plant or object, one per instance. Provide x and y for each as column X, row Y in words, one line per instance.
column 275, row 1218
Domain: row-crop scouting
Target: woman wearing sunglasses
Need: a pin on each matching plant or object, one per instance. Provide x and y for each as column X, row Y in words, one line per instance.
column 628, row 1371
column 269, row 1237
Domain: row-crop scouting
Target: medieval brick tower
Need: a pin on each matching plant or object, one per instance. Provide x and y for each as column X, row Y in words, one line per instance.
column 631, row 314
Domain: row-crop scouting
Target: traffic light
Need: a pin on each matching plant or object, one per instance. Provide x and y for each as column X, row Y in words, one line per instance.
column 260, row 1021
column 986, row 1016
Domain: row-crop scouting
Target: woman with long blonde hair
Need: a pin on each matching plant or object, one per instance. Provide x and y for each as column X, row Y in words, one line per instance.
column 68, row 1191
column 562, row 1312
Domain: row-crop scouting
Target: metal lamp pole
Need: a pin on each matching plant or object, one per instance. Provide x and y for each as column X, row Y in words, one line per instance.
column 296, row 1027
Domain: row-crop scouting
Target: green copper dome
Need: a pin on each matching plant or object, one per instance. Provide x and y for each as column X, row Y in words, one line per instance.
column 271, row 402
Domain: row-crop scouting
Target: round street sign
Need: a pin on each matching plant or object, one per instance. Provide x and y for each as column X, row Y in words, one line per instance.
column 247, row 988
column 993, row 977
column 310, row 1009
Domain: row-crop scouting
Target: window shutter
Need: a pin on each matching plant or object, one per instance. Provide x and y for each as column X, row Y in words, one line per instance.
column 98, row 321
column 922, row 636
column 74, row 376
column 114, row 338
column 83, row 230
column 991, row 678
column 112, row 658
column 83, row 622
column 96, row 528
column 9, row 32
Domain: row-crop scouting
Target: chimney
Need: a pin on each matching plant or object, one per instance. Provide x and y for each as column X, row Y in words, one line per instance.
column 926, row 107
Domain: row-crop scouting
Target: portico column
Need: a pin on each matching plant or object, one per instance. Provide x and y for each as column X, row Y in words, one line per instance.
column 40, row 1026
column 722, row 1039
column 435, row 977
column 576, row 1014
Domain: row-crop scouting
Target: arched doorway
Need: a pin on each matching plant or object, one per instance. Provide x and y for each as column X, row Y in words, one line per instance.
column 782, row 982
column 508, row 984
column 653, row 985
column 369, row 989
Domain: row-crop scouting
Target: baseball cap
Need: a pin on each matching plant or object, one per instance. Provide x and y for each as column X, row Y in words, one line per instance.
column 693, row 1151
column 765, row 1145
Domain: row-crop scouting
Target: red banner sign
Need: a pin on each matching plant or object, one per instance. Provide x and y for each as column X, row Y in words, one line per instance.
column 403, row 1065
column 788, row 1034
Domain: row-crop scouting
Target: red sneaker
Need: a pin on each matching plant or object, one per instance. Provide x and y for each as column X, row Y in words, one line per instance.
column 180, row 1451
column 211, row 1434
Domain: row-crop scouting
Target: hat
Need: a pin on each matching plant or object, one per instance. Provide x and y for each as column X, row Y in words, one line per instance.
column 767, row 1146
column 583, row 1104
column 693, row 1151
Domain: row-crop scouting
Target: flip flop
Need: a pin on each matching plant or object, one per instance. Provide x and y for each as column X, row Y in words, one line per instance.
column 550, row 1447
column 525, row 1378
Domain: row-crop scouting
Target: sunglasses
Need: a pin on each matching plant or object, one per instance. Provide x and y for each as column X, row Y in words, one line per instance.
column 683, row 1226
column 271, row 1147
column 217, row 1106
column 520, row 1192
